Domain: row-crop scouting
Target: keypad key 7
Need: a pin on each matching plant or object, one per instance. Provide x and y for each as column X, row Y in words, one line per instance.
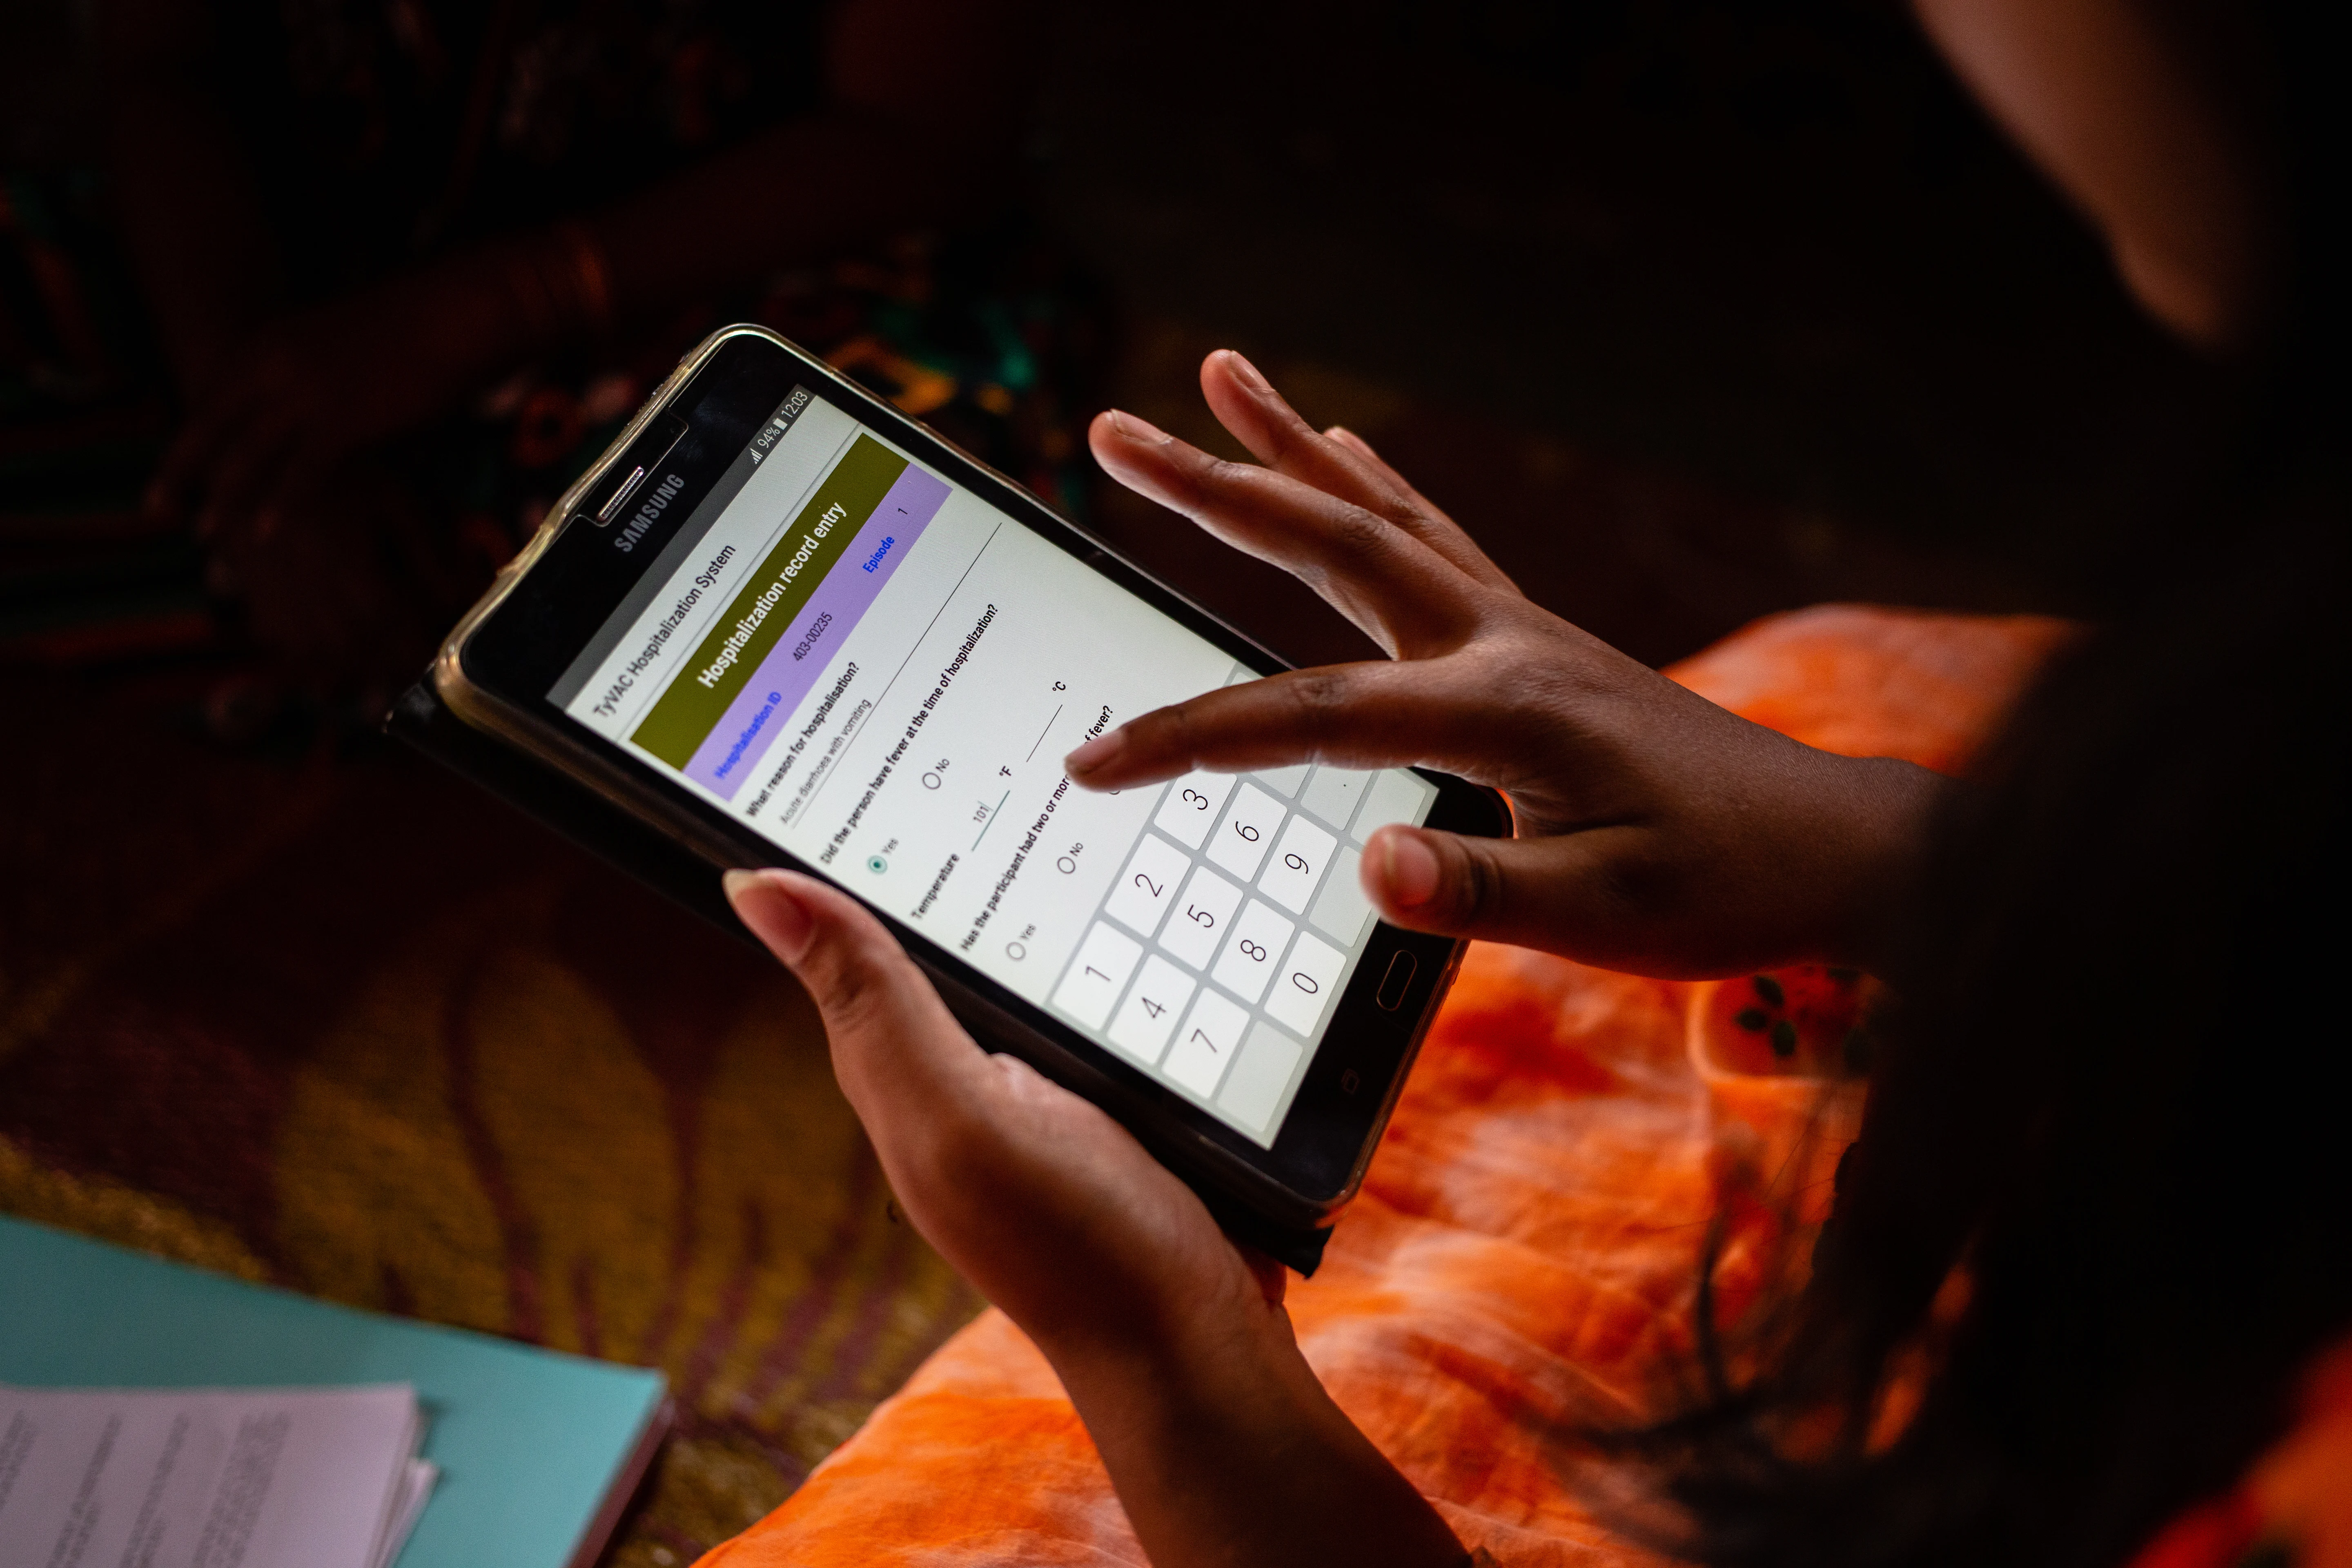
column 1205, row 1042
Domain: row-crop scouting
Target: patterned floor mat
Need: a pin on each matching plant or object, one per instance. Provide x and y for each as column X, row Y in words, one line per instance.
column 338, row 1022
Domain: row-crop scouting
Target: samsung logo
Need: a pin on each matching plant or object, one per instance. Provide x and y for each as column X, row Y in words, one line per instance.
column 649, row 513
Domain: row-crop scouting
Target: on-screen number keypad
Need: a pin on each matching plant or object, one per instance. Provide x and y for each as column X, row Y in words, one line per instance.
column 1228, row 930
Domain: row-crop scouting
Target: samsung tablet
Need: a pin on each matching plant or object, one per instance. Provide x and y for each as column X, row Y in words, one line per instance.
column 785, row 623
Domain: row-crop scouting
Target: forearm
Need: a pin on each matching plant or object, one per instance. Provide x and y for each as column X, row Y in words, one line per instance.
column 1874, row 843
column 1228, row 1451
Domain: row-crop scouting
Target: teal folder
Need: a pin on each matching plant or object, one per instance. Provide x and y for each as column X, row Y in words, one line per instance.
column 539, row 1451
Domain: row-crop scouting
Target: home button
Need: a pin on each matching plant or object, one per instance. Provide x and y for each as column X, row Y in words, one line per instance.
column 1396, row 982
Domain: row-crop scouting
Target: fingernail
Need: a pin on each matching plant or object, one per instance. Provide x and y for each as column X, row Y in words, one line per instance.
column 1095, row 753
column 772, row 910
column 1247, row 372
column 1140, row 431
column 1410, row 867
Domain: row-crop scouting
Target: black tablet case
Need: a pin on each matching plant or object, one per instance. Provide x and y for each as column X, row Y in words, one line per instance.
column 422, row 720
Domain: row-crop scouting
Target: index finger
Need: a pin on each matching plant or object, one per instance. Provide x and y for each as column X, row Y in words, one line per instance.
column 1367, row 715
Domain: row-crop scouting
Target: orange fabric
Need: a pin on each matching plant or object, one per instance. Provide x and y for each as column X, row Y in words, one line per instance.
column 1525, row 1243
column 2295, row 1506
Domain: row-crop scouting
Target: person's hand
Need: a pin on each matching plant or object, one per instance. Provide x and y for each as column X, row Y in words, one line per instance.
column 1172, row 1341
column 1036, row 1196
column 1656, row 832
column 270, row 427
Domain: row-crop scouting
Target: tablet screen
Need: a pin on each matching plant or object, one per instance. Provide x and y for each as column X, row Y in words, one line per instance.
column 881, row 672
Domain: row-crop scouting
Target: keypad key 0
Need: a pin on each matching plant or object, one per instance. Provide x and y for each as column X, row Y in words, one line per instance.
column 1303, row 986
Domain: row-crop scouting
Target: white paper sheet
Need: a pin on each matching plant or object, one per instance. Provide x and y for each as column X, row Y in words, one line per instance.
column 208, row 1479
column 416, row 1486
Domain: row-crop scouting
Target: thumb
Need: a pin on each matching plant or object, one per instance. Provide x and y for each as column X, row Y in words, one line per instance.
column 894, row 1041
column 1526, row 892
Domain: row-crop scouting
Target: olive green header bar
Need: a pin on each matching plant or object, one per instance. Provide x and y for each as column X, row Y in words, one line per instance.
column 700, row 693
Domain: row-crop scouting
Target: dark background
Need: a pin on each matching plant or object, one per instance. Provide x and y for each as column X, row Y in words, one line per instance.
column 1764, row 265
column 1691, row 311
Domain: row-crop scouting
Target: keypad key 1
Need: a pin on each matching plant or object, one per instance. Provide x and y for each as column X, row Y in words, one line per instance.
column 1105, row 959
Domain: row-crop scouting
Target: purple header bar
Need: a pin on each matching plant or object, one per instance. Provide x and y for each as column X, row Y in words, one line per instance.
column 743, row 735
